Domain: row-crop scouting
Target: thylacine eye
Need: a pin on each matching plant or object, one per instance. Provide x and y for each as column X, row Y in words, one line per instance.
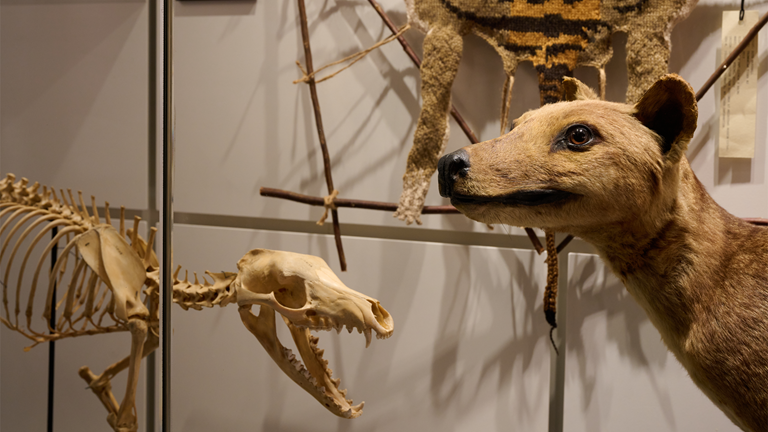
column 578, row 135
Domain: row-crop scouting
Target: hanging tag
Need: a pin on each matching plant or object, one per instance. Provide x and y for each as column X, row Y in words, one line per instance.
column 738, row 89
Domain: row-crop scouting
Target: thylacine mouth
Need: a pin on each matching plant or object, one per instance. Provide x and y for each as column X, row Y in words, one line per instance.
column 315, row 368
column 531, row 197
column 307, row 367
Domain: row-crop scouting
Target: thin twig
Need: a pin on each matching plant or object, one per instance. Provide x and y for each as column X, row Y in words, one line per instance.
column 564, row 243
column 320, row 130
column 728, row 60
column 417, row 61
column 534, row 240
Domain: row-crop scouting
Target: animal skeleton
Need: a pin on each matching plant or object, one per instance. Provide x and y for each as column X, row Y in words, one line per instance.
column 302, row 288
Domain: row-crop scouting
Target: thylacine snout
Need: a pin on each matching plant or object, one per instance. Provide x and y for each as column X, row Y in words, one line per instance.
column 456, row 165
column 616, row 176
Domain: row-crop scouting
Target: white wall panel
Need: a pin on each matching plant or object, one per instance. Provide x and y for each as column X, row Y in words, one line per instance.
column 73, row 114
column 74, row 105
column 618, row 373
column 470, row 349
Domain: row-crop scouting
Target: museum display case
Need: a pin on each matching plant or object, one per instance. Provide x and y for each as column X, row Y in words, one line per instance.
column 83, row 95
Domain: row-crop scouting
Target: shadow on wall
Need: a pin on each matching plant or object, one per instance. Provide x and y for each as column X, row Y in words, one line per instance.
column 603, row 317
column 492, row 337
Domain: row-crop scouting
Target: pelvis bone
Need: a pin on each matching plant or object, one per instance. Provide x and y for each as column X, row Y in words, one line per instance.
column 309, row 296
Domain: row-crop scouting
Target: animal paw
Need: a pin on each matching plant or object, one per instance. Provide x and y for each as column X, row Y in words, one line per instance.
column 408, row 214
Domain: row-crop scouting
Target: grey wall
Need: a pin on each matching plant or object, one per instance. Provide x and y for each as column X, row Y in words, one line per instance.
column 73, row 114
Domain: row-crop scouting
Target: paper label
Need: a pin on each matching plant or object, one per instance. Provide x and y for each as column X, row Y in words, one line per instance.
column 738, row 89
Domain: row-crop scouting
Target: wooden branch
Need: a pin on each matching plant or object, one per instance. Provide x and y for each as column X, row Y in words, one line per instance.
column 564, row 243
column 417, row 61
column 341, row 202
column 320, row 130
column 728, row 60
column 534, row 240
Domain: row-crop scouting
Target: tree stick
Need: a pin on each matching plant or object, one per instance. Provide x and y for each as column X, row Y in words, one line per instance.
column 728, row 60
column 320, row 130
column 341, row 202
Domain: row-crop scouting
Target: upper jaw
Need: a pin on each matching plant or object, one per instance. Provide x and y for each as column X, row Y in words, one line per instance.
column 524, row 197
column 376, row 319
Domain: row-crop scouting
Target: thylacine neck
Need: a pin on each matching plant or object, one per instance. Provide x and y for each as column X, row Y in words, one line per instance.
column 196, row 295
column 667, row 258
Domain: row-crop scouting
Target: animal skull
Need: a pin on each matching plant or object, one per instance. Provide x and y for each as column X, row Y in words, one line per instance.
column 309, row 296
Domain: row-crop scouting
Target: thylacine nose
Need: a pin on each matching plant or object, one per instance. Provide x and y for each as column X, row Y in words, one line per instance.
column 449, row 168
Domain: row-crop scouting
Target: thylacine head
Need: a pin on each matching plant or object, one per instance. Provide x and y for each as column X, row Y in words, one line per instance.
column 576, row 166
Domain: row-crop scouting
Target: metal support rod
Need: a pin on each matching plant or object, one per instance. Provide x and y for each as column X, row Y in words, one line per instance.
column 151, row 363
column 167, row 212
column 52, row 344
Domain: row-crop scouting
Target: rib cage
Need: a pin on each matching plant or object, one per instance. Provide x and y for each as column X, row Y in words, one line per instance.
column 85, row 303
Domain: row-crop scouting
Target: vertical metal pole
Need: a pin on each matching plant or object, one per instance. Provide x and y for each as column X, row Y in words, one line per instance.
column 52, row 344
column 557, row 362
column 167, row 214
column 151, row 377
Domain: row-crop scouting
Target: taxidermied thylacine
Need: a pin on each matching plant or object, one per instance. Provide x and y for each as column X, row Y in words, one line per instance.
column 616, row 175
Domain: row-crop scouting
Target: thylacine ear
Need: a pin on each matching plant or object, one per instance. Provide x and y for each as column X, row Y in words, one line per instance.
column 669, row 109
column 574, row 89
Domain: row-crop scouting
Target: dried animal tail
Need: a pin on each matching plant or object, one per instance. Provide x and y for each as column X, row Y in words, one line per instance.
column 550, row 292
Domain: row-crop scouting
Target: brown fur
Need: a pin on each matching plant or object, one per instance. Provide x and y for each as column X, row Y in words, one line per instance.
column 700, row 273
